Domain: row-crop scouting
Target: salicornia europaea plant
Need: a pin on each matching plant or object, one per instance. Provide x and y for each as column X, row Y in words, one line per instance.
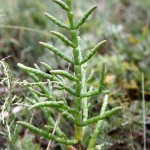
column 77, row 113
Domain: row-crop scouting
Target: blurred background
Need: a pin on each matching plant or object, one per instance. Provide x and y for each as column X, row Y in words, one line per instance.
column 124, row 24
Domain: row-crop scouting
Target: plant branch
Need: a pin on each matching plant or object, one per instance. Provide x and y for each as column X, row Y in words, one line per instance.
column 57, row 52
column 95, row 134
column 46, row 135
column 105, row 115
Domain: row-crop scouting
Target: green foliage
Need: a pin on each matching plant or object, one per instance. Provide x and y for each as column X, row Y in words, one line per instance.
column 77, row 112
column 125, row 25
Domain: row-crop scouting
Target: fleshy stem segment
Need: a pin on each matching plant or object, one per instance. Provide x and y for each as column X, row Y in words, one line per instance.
column 98, row 125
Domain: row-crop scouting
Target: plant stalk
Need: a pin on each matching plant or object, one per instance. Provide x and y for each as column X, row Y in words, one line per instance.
column 80, row 73
column 98, row 125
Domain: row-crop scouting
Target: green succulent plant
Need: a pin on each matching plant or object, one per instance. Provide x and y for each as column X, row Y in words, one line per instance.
column 44, row 99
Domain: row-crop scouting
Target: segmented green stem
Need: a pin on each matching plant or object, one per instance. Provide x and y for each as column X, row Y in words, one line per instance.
column 98, row 125
column 46, row 134
column 57, row 52
column 93, row 51
column 100, row 87
column 78, row 71
column 62, row 4
column 63, row 38
column 60, row 106
column 85, row 99
column 85, row 16
column 105, row 115
column 56, row 21
column 47, row 103
column 37, row 72
column 65, row 74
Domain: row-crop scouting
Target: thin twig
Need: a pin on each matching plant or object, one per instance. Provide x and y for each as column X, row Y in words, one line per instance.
column 56, row 124
column 31, row 119
column 5, row 58
column 144, row 114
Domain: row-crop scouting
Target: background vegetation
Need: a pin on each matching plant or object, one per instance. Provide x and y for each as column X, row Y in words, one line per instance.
column 124, row 24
